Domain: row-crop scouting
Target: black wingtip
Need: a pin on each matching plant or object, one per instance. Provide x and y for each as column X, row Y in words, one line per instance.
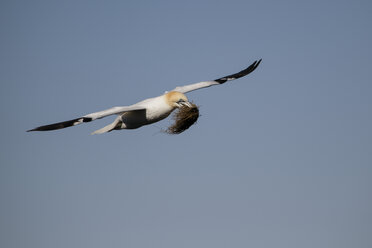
column 240, row 74
column 257, row 63
column 251, row 68
column 61, row 125
column 45, row 128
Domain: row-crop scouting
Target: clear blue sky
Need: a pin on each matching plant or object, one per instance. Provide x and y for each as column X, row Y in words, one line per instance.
column 281, row 158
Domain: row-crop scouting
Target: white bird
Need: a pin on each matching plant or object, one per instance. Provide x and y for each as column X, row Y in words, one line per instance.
column 147, row 111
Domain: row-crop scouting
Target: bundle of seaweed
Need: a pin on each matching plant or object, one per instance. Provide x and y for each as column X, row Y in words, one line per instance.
column 184, row 117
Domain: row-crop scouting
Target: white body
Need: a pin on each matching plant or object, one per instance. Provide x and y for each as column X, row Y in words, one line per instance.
column 147, row 112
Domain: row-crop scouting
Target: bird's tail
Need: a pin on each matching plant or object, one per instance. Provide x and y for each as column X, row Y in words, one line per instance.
column 109, row 127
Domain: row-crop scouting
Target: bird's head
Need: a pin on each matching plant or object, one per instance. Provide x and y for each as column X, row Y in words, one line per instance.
column 177, row 99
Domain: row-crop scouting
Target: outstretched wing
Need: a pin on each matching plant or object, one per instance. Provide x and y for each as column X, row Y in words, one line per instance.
column 196, row 86
column 88, row 118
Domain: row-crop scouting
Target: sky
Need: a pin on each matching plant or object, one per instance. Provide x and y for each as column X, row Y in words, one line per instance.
column 281, row 158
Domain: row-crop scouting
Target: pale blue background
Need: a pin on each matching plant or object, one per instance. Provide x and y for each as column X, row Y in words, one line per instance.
column 281, row 158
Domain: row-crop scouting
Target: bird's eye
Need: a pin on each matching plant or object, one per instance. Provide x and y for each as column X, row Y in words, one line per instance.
column 181, row 100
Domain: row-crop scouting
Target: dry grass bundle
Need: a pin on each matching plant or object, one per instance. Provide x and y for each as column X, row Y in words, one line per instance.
column 184, row 118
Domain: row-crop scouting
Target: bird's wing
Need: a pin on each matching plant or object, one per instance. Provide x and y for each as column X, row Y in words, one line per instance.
column 196, row 86
column 88, row 118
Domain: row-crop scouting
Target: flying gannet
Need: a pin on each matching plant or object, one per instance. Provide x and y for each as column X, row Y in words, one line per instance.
column 149, row 110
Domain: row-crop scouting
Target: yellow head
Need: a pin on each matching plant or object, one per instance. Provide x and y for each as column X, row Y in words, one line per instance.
column 177, row 99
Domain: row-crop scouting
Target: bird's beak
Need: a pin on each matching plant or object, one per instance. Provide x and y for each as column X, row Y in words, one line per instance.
column 187, row 104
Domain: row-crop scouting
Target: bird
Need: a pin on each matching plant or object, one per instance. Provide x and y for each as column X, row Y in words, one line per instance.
column 148, row 111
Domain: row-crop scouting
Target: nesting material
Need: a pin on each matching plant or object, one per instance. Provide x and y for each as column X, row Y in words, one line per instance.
column 184, row 118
